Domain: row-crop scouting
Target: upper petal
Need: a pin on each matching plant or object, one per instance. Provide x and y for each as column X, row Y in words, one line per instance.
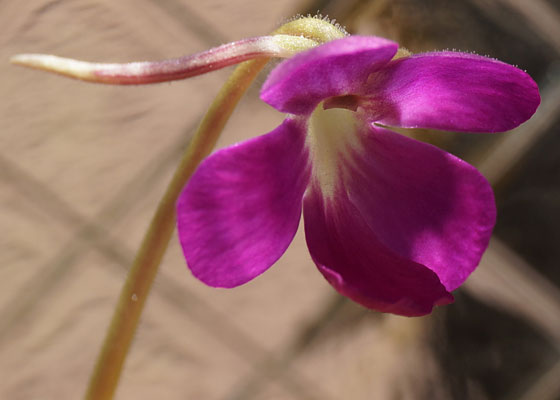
column 421, row 202
column 453, row 91
column 335, row 68
column 241, row 209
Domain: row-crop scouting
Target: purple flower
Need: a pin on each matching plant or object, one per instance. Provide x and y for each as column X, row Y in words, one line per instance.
column 390, row 222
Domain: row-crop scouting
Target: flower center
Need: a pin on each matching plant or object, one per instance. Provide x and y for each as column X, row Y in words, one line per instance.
column 332, row 136
column 349, row 102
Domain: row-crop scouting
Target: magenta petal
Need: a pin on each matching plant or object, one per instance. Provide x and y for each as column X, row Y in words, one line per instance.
column 453, row 91
column 424, row 204
column 336, row 68
column 359, row 266
column 241, row 209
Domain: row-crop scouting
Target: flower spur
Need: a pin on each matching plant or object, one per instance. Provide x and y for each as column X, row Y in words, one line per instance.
column 390, row 222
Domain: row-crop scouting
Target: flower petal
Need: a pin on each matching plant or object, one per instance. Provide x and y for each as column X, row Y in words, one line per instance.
column 336, row 68
column 424, row 204
column 453, row 91
column 359, row 266
column 241, row 209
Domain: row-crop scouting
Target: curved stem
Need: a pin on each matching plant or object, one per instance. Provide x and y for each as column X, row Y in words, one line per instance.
column 144, row 269
column 131, row 302
column 145, row 72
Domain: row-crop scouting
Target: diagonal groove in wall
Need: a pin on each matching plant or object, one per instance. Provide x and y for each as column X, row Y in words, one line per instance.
column 543, row 18
column 87, row 233
column 194, row 23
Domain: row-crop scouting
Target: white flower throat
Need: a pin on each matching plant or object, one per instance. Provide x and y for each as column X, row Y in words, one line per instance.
column 332, row 137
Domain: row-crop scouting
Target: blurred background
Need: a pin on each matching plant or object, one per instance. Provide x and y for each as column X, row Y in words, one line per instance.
column 82, row 167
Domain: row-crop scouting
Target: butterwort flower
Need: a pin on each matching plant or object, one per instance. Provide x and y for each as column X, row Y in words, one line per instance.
column 392, row 223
